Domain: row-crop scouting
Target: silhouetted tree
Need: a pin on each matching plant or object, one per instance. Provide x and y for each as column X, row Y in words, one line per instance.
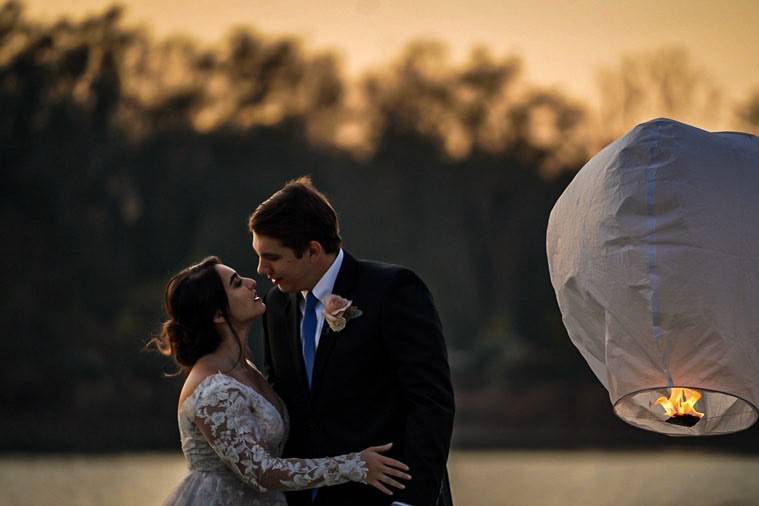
column 662, row 83
column 748, row 113
column 125, row 158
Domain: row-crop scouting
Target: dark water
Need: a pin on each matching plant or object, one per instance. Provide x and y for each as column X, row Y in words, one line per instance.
column 478, row 479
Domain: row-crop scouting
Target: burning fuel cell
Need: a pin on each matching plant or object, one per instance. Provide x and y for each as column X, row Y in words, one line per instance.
column 653, row 251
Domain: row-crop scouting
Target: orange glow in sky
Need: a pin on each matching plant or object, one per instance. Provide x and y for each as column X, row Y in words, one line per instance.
column 561, row 43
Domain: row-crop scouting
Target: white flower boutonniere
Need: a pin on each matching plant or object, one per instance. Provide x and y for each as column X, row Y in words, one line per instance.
column 337, row 312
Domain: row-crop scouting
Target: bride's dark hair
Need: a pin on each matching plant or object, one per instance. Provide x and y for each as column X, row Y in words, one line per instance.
column 192, row 298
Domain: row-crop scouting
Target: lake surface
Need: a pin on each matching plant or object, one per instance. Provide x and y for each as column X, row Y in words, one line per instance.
column 478, row 479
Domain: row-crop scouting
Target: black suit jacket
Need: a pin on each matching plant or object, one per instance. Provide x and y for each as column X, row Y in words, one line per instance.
column 384, row 378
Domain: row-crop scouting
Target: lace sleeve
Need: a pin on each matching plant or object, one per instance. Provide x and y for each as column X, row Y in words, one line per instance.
column 224, row 416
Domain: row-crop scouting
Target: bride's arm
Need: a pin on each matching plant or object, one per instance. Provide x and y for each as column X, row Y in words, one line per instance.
column 224, row 417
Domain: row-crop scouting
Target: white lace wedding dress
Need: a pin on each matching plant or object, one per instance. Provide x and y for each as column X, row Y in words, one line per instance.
column 232, row 439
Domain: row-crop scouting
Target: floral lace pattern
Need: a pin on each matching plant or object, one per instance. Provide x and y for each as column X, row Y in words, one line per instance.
column 229, row 430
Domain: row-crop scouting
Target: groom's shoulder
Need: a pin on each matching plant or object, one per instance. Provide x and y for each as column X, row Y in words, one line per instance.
column 387, row 273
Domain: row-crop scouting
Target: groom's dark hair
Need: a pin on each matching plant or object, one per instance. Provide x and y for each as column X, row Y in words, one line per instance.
column 296, row 215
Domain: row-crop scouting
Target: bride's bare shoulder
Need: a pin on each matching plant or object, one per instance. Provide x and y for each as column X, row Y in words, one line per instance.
column 206, row 366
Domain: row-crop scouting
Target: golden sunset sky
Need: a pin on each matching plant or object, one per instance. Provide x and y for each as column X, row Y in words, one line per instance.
column 562, row 43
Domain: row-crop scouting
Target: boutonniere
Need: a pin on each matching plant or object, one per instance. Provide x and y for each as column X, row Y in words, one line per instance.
column 337, row 312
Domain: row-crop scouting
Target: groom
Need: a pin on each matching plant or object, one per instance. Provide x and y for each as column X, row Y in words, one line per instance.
column 359, row 376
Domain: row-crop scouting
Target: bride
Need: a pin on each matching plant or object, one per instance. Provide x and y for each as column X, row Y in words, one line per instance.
column 232, row 425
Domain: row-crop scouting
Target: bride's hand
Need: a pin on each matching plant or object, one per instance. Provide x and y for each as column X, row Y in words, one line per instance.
column 381, row 469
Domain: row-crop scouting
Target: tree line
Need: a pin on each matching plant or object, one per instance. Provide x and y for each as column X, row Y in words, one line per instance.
column 126, row 158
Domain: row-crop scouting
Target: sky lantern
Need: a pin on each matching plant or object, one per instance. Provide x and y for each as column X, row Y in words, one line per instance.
column 653, row 252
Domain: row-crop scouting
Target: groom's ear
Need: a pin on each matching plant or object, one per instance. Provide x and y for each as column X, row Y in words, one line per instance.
column 314, row 250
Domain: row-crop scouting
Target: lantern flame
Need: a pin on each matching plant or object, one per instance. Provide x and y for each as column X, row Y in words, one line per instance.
column 681, row 402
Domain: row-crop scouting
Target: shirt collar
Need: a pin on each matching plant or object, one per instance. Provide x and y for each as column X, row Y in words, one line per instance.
column 326, row 284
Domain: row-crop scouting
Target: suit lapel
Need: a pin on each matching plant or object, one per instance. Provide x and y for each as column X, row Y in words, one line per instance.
column 293, row 331
column 344, row 286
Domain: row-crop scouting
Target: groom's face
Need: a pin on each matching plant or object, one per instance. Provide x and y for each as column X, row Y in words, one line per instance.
column 282, row 266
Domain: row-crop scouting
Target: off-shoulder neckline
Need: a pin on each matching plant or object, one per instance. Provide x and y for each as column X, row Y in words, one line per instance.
column 232, row 378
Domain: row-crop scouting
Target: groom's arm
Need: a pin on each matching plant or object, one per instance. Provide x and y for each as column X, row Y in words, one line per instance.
column 414, row 338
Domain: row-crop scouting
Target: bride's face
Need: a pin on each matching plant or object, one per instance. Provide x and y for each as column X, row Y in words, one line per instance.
column 244, row 303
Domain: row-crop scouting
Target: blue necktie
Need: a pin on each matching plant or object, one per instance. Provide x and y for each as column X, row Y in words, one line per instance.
column 309, row 335
column 309, row 347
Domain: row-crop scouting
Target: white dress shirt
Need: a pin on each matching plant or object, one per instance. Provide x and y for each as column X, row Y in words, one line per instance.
column 321, row 290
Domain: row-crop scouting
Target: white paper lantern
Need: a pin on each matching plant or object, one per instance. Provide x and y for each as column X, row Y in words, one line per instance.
column 653, row 251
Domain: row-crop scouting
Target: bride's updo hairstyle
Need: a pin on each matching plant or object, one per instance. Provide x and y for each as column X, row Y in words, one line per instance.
column 192, row 298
